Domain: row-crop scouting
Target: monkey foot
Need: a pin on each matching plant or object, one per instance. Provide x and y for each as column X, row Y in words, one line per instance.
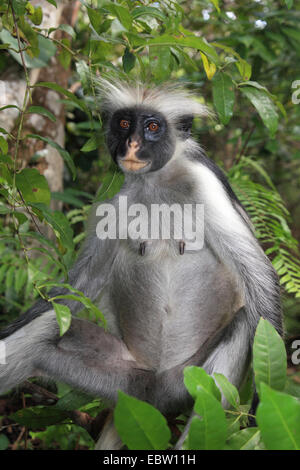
column 142, row 248
column 181, row 247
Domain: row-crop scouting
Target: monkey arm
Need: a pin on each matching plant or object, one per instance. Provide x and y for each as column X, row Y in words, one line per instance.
column 229, row 234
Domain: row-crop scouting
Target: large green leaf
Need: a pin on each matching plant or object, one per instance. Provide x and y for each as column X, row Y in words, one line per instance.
column 278, row 418
column 140, row 425
column 33, row 186
column 47, row 49
column 246, row 439
column 264, row 106
column 209, row 430
column 186, row 41
column 223, row 96
column 269, row 356
column 195, row 378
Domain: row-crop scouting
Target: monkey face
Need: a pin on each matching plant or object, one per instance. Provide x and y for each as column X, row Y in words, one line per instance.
column 140, row 140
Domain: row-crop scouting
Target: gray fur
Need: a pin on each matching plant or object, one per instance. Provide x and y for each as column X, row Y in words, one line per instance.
column 164, row 310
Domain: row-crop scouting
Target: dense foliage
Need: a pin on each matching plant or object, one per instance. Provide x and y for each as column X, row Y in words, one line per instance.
column 243, row 61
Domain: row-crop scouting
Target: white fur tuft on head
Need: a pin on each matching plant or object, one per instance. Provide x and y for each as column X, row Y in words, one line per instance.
column 170, row 100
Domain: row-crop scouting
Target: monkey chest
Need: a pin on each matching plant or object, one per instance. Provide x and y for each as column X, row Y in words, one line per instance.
column 165, row 305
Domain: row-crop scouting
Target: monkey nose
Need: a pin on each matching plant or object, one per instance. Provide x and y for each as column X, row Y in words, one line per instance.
column 133, row 142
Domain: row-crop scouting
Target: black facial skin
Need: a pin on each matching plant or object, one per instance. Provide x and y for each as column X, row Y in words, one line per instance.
column 156, row 147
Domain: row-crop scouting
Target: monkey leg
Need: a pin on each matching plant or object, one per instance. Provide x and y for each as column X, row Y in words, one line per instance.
column 230, row 357
column 86, row 358
column 95, row 361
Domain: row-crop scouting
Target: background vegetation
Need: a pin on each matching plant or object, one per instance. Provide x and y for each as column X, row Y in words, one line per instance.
column 243, row 60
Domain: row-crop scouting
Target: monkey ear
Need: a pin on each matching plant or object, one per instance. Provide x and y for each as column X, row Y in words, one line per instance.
column 184, row 125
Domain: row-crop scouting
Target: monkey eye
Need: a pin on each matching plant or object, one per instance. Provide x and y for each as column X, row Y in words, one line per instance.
column 153, row 126
column 124, row 124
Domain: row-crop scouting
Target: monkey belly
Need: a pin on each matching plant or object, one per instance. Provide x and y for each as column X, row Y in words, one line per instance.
column 166, row 308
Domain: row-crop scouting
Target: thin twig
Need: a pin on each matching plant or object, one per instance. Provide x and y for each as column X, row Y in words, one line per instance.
column 242, row 152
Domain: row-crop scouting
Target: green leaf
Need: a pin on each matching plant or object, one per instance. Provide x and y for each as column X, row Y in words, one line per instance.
column 67, row 29
column 5, row 173
column 148, row 11
column 64, row 153
column 278, row 418
column 95, row 18
column 46, row 48
column 41, row 110
column 264, row 106
column 269, row 356
column 110, row 186
column 140, row 425
column 59, row 223
column 186, row 41
column 216, row 5
column 229, row 391
column 128, row 60
column 79, row 297
column 20, row 278
column 73, row 400
column 63, row 316
column 92, row 144
column 37, row 16
column 121, row 13
column 53, row 2
column 160, row 58
column 289, row 3
column 63, row 91
column 65, row 56
column 209, row 431
column 4, row 442
column 244, row 68
column 292, row 33
column 19, row 6
column 33, row 186
column 3, row 145
column 10, row 277
column 246, row 439
column 195, row 378
column 223, row 96
column 37, row 417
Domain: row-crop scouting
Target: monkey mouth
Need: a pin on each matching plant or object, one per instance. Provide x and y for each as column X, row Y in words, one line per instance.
column 130, row 164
